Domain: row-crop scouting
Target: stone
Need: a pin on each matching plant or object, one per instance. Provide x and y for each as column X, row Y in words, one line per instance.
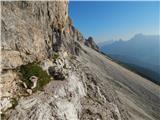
column 33, row 79
column 56, row 73
column 25, row 86
column 46, row 64
column 11, row 59
column 5, row 104
column 27, row 29
column 65, row 54
column 9, row 80
column 90, row 43
column 29, row 91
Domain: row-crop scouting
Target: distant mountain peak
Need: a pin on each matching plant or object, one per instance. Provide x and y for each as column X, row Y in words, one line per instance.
column 120, row 40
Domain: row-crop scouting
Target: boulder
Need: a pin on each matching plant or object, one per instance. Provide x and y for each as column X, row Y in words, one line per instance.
column 56, row 73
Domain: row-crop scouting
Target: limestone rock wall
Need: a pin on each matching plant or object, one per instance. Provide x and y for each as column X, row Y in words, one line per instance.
column 27, row 30
column 34, row 32
column 31, row 32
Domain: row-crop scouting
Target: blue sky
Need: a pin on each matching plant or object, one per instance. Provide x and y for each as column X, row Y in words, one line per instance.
column 114, row 20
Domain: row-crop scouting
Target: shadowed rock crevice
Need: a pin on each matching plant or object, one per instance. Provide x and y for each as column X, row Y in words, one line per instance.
column 56, row 73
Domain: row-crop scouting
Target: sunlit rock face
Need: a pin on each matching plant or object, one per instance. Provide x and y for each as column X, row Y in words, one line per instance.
column 41, row 32
column 28, row 28
column 60, row 100
column 79, row 97
column 91, row 43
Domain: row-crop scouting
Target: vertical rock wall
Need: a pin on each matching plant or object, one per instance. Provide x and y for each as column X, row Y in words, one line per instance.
column 33, row 32
column 27, row 30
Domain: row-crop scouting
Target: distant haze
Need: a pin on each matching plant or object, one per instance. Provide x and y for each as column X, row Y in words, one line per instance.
column 141, row 51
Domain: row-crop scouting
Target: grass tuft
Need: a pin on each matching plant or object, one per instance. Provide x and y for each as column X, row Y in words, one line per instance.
column 33, row 69
column 55, row 56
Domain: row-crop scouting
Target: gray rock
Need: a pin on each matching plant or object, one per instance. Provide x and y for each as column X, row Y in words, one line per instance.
column 90, row 43
column 27, row 29
column 33, row 79
column 56, row 73
column 86, row 84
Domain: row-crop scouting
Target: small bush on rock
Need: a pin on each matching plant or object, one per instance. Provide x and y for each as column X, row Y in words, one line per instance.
column 33, row 69
column 55, row 56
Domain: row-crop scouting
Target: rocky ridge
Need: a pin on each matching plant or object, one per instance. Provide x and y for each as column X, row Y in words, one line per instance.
column 91, row 43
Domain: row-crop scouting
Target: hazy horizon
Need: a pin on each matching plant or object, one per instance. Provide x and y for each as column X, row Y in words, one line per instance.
column 114, row 20
column 114, row 40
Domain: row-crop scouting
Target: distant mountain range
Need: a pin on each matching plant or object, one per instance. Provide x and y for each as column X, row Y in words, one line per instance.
column 101, row 44
column 141, row 54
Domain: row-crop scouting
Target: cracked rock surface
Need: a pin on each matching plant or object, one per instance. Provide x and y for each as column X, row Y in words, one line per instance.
column 82, row 84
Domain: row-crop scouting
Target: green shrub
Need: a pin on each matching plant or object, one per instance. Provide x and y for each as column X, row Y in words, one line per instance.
column 33, row 69
column 55, row 56
column 14, row 103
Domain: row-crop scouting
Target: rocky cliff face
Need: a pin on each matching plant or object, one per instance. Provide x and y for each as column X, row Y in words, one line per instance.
column 46, row 73
column 32, row 30
column 90, row 43
column 43, row 32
